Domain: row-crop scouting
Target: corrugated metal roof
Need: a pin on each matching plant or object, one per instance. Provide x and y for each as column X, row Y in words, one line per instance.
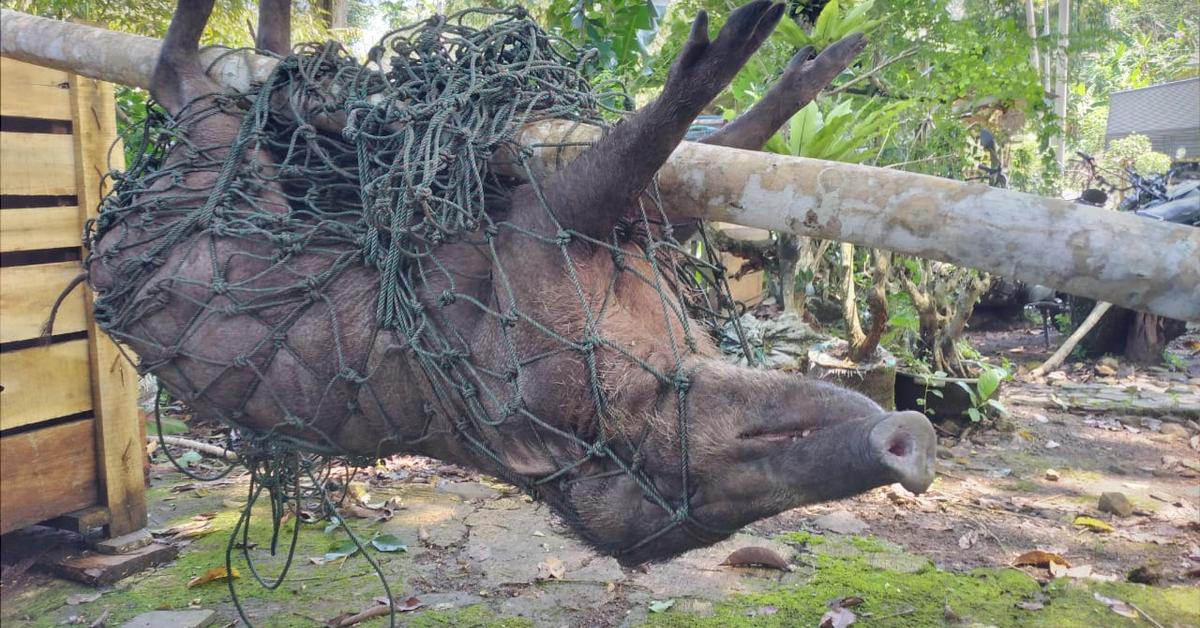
column 1166, row 107
column 1169, row 114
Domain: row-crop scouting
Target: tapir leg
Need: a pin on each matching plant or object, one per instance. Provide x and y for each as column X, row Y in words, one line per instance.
column 592, row 193
column 803, row 79
column 274, row 27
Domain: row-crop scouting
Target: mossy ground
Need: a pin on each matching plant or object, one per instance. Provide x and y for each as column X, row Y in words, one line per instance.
column 921, row 596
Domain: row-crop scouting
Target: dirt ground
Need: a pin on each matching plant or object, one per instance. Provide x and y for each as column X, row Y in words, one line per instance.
column 479, row 553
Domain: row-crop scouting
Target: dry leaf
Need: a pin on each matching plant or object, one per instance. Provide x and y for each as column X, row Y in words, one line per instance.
column 212, row 575
column 82, row 598
column 839, row 616
column 551, row 568
column 969, row 539
column 1092, row 524
column 358, row 512
column 1116, row 606
column 1038, row 558
column 1057, row 570
column 1082, row 571
column 755, row 556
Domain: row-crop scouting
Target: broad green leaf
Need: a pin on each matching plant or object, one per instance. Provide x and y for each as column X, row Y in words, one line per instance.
column 802, row 127
column 341, row 549
column 189, row 458
column 826, row 22
column 658, row 606
column 989, row 381
column 389, row 543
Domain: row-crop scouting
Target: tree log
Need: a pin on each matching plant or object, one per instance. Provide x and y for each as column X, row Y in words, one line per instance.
column 1134, row 262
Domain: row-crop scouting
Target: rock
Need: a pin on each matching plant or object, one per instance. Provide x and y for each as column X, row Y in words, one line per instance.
column 1174, row 429
column 1052, row 475
column 841, row 522
column 944, row 453
column 172, row 619
column 1117, row 469
column 1116, row 503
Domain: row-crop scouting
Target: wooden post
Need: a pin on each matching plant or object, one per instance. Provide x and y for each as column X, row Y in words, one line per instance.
column 120, row 432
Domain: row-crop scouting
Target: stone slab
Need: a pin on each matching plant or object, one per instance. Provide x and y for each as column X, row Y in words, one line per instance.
column 95, row 568
column 172, row 619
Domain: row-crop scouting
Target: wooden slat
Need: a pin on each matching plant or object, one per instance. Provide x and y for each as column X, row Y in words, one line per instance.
column 44, row 382
column 30, row 229
column 120, row 431
column 37, row 164
column 33, row 91
column 27, row 293
column 47, row 473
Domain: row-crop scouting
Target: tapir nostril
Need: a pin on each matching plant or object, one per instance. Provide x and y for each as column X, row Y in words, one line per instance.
column 906, row 445
column 899, row 445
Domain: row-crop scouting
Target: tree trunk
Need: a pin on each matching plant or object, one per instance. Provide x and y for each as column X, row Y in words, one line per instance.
column 1060, row 82
column 1031, row 27
column 1074, row 248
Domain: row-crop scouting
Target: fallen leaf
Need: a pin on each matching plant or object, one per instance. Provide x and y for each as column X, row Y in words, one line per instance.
column 1052, row 444
column 837, row 617
column 423, row 536
column 212, row 575
column 1057, row 570
column 1116, row 606
column 342, row 549
column 850, row 601
column 1082, row 571
column 551, row 568
column 755, row 556
column 82, row 598
column 188, row 458
column 389, row 543
column 659, row 606
column 1052, row 475
column 1038, row 558
column 1030, row 606
column 968, row 539
column 402, row 606
column 1092, row 524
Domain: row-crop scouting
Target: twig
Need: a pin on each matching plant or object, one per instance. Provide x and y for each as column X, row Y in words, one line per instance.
column 1144, row 614
column 1088, row 323
column 951, row 475
column 876, row 70
column 204, row 448
column 370, row 613
column 984, row 527
column 100, row 621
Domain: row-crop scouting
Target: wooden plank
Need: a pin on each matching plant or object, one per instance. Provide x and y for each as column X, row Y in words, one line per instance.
column 46, row 473
column 32, row 91
column 27, row 294
column 30, row 229
column 120, row 431
column 37, row 164
column 44, row 382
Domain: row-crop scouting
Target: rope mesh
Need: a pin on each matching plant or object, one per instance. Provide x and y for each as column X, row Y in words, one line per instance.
column 290, row 211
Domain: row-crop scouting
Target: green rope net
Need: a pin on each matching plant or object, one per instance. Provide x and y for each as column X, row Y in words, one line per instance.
column 408, row 176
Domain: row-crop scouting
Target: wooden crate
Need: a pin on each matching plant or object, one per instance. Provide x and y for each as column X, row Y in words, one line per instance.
column 71, row 437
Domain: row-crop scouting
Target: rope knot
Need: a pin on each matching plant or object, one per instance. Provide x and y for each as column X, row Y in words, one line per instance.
column 446, row 298
column 351, row 375
column 681, row 381
column 597, row 450
column 680, row 514
column 307, row 131
column 563, row 237
column 219, row 286
column 241, row 361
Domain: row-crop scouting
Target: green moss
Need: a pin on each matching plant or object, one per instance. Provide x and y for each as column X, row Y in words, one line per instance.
column 987, row 596
column 870, row 544
column 1021, row 486
column 474, row 616
column 801, row 537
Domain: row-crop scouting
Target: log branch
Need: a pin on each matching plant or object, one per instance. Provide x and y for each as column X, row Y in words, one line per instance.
column 1078, row 249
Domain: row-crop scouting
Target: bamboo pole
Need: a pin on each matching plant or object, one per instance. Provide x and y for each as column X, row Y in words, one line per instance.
column 1130, row 261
